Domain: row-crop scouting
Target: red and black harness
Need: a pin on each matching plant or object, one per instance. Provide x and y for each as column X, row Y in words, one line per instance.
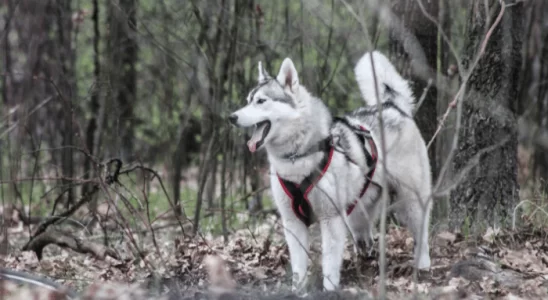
column 298, row 193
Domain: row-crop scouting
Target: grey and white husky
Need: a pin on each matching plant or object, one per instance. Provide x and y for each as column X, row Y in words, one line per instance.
column 322, row 167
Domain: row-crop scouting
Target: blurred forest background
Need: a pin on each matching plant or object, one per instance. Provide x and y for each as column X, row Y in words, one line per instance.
column 136, row 92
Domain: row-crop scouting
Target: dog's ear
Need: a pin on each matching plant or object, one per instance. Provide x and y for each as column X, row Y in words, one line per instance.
column 263, row 75
column 288, row 76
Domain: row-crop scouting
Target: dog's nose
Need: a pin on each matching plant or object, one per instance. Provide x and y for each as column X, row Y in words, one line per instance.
column 233, row 119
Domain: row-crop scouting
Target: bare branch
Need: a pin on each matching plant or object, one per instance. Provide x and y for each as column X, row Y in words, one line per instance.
column 66, row 240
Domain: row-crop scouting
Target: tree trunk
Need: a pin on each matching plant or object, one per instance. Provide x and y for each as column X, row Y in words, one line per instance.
column 186, row 143
column 487, row 151
column 224, row 170
column 179, row 157
column 204, row 95
column 123, row 51
column 67, row 89
column 5, row 104
column 93, row 104
column 426, row 34
column 6, row 77
column 540, row 68
column 444, row 140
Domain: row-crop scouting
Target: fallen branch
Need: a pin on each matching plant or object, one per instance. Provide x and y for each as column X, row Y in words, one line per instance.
column 62, row 217
column 66, row 240
column 87, row 197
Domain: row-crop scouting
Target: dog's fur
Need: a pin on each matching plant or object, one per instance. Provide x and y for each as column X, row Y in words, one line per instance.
column 299, row 121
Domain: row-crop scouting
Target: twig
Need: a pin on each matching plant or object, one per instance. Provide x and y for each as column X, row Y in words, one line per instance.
column 444, row 36
column 66, row 240
column 253, row 193
column 49, row 178
column 423, row 96
column 537, row 207
column 44, row 102
column 85, row 199
column 44, row 225
column 32, row 220
column 157, row 176
column 382, row 241
column 384, row 202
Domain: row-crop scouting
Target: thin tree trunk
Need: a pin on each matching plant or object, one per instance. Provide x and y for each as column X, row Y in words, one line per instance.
column 180, row 156
column 426, row 34
column 66, row 89
column 128, row 97
column 204, row 171
column 93, row 104
column 204, row 98
column 123, row 50
column 6, row 77
column 211, row 185
column 6, row 99
column 226, row 154
column 487, row 152
column 444, row 140
column 540, row 61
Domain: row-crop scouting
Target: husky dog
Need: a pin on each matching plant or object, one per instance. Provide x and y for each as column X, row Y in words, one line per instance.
column 336, row 159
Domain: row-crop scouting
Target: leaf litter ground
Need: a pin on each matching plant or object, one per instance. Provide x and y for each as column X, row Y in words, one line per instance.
column 255, row 263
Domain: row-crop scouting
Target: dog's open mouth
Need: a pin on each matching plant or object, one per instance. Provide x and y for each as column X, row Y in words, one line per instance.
column 259, row 134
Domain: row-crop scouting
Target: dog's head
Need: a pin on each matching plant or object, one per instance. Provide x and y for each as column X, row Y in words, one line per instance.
column 271, row 103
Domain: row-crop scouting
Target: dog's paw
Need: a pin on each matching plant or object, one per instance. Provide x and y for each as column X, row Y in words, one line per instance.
column 406, row 269
column 424, row 262
column 299, row 291
column 365, row 250
column 329, row 284
column 299, row 285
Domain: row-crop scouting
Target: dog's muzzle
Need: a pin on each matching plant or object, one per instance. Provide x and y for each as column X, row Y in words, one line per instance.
column 233, row 119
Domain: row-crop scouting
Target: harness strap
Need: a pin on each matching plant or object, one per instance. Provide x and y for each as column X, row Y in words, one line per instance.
column 322, row 146
column 363, row 135
column 298, row 193
column 371, row 162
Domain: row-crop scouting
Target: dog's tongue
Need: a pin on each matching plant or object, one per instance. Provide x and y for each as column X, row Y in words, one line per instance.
column 252, row 146
column 255, row 138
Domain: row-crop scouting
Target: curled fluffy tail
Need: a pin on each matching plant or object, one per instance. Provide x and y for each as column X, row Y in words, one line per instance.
column 391, row 86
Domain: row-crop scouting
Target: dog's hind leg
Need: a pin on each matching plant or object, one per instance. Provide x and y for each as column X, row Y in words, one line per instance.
column 415, row 214
column 361, row 221
column 361, row 228
column 333, row 240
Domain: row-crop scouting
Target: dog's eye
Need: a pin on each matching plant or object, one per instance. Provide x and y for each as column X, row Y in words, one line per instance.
column 261, row 100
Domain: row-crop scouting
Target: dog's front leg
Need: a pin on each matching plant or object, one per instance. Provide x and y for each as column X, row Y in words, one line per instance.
column 296, row 235
column 333, row 239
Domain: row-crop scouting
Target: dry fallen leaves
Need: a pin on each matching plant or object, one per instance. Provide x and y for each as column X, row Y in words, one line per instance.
column 260, row 261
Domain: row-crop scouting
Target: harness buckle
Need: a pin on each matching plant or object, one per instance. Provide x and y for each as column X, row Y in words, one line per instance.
column 335, row 142
column 363, row 133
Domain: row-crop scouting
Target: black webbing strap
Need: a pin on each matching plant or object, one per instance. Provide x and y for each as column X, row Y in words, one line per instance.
column 298, row 193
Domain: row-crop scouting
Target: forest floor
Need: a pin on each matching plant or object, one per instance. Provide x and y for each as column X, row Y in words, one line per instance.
column 498, row 264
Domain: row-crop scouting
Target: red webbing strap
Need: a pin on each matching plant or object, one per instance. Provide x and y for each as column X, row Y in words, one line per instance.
column 298, row 193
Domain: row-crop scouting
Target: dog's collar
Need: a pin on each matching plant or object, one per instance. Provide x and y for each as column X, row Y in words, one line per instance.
column 322, row 146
